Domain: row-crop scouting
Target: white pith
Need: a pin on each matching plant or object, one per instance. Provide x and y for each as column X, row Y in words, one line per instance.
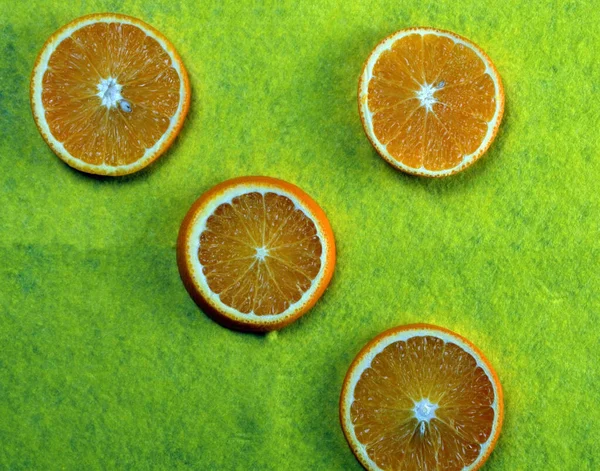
column 365, row 362
column 424, row 410
column 428, row 95
column 198, row 225
column 261, row 253
column 38, row 108
column 109, row 92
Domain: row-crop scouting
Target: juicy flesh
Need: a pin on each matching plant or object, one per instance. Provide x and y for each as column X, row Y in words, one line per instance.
column 431, row 100
column 125, row 63
column 260, row 253
column 432, row 380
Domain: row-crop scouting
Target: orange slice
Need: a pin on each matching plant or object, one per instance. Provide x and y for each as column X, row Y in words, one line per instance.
column 420, row 397
column 109, row 94
column 255, row 253
column 430, row 101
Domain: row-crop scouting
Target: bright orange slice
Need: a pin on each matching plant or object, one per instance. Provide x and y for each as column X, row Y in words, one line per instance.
column 420, row 397
column 430, row 101
column 255, row 253
column 109, row 94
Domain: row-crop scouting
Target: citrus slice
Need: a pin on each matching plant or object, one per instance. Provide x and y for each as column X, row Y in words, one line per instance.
column 109, row 94
column 255, row 253
column 420, row 397
column 430, row 101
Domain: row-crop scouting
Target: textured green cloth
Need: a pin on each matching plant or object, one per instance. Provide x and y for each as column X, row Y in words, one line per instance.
column 105, row 361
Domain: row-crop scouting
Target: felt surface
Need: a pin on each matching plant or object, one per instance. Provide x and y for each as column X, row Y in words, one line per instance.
column 105, row 361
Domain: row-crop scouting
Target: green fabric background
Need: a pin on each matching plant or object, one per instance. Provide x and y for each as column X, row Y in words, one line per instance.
column 105, row 361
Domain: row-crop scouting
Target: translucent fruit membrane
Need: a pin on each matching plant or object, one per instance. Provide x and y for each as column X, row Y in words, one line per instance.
column 406, row 372
column 260, row 253
column 91, row 131
column 459, row 101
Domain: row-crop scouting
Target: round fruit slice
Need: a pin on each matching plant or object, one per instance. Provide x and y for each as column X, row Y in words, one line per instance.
column 430, row 101
column 420, row 397
column 255, row 253
column 109, row 94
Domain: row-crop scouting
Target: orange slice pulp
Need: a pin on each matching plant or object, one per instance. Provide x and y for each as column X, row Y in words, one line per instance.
column 256, row 253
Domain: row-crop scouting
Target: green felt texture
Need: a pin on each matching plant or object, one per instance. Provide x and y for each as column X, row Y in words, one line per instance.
column 106, row 362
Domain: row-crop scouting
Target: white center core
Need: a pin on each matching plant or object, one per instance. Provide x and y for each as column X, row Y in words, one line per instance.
column 261, row 253
column 109, row 92
column 425, row 96
column 424, row 411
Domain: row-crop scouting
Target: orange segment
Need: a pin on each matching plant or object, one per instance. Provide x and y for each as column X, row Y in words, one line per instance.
column 475, row 98
column 256, row 253
column 421, row 397
column 409, row 53
column 409, row 141
column 463, row 66
column 430, row 101
column 109, row 94
column 436, row 52
column 466, row 130
column 441, row 147
column 385, row 95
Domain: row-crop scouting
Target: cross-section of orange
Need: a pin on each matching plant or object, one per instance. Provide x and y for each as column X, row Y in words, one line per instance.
column 109, row 94
column 255, row 253
column 421, row 397
column 430, row 101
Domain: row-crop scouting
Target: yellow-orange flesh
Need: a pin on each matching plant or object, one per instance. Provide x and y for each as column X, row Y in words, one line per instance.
column 455, row 397
column 260, row 253
column 109, row 93
column 431, row 100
